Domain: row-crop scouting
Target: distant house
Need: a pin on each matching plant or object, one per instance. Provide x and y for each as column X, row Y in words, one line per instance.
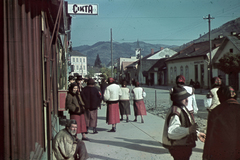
column 143, row 71
column 193, row 63
column 78, row 63
column 231, row 44
column 159, row 70
column 121, row 64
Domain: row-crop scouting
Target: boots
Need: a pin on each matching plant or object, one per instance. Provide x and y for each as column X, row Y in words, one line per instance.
column 95, row 130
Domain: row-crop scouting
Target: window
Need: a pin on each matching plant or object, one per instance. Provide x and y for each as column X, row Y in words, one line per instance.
column 175, row 72
column 231, row 50
column 83, row 67
column 83, row 59
column 77, row 67
column 171, row 74
column 73, row 59
column 80, row 67
column 80, row 59
column 187, row 74
column 181, row 70
column 76, row 59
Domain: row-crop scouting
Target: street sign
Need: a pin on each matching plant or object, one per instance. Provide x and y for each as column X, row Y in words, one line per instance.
column 83, row 9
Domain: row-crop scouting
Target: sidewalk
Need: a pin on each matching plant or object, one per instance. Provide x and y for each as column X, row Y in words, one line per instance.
column 132, row 141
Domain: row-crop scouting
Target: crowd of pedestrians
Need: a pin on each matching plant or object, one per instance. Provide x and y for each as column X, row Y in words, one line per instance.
column 180, row 131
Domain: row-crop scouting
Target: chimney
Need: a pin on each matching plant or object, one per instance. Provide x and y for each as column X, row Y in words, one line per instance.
column 161, row 48
column 152, row 51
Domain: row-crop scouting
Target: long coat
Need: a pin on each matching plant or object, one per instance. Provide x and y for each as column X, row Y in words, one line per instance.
column 91, row 97
column 223, row 130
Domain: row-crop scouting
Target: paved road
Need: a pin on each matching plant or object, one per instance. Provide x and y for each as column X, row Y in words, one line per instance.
column 133, row 140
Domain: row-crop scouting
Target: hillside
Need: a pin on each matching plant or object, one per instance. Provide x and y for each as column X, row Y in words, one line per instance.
column 128, row 49
column 224, row 30
column 119, row 50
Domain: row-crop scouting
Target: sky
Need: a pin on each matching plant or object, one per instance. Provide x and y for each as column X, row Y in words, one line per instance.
column 169, row 22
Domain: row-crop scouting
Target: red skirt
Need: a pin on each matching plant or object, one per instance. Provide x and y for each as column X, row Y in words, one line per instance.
column 81, row 128
column 113, row 113
column 139, row 108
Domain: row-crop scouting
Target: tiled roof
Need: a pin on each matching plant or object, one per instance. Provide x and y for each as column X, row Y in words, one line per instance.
column 159, row 64
column 235, row 40
column 125, row 64
column 76, row 53
column 196, row 49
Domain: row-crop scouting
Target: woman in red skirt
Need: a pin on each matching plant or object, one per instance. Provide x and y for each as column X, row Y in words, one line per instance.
column 76, row 110
column 138, row 103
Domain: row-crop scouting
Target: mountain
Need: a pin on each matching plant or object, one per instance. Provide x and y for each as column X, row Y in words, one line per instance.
column 224, row 30
column 128, row 49
column 119, row 50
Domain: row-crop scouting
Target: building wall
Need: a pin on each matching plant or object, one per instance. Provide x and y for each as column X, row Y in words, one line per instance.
column 80, row 65
column 190, row 69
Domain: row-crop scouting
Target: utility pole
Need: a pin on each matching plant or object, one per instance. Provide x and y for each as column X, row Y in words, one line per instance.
column 210, row 48
column 111, row 55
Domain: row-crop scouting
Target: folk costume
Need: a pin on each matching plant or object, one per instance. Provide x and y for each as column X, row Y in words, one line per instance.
column 176, row 135
column 138, row 103
column 66, row 146
column 76, row 110
column 192, row 104
column 111, row 96
column 216, row 83
column 223, row 128
column 92, row 99
column 124, row 104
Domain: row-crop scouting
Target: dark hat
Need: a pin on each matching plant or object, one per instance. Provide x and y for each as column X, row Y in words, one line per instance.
column 110, row 80
column 79, row 77
column 179, row 93
column 90, row 82
column 180, row 79
column 71, row 78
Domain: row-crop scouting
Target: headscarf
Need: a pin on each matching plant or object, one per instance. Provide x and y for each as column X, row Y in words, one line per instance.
column 226, row 92
column 216, row 82
column 110, row 80
column 180, row 79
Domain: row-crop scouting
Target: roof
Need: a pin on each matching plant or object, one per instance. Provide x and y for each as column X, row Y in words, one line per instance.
column 76, row 53
column 163, row 53
column 235, row 41
column 125, row 64
column 196, row 49
column 160, row 64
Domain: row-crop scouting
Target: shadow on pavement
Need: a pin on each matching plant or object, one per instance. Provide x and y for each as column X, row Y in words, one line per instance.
column 102, row 118
column 100, row 157
column 134, row 146
column 140, row 141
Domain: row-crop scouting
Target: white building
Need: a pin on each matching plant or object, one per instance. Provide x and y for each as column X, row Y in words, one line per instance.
column 78, row 63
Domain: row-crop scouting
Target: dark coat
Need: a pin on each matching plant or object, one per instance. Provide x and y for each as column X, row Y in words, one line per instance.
column 223, row 130
column 91, row 97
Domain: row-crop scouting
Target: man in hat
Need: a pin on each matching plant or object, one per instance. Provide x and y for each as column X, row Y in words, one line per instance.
column 67, row 146
column 180, row 131
column 223, row 128
column 111, row 96
column 79, row 81
column 192, row 104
